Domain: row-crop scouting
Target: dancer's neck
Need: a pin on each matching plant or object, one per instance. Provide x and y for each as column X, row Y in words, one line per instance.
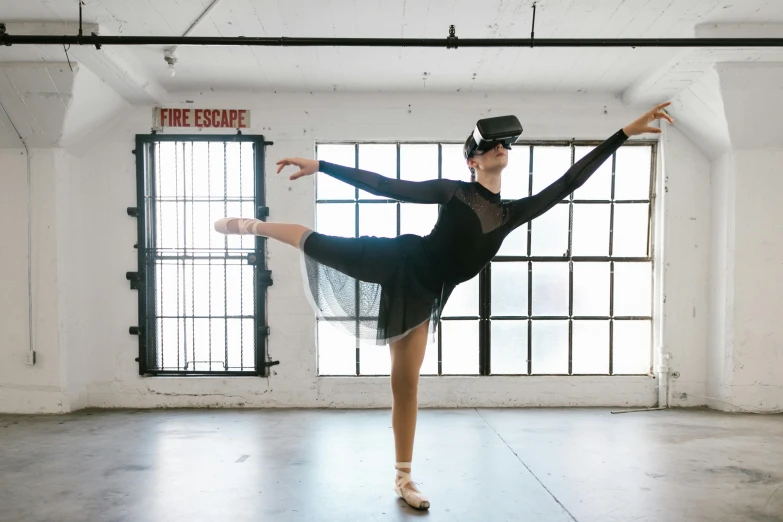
column 489, row 180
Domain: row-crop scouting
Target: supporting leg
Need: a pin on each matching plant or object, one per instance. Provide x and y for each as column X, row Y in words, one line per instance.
column 407, row 356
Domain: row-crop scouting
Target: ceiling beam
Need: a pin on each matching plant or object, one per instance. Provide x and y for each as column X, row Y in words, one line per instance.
column 10, row 38
column 117, row 67
column 689, row 65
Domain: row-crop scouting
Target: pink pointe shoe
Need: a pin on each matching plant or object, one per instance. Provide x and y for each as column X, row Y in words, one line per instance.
column 231, row 225
column 415, row 499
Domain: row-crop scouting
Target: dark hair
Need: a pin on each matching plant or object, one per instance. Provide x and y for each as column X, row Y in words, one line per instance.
column 464, row 149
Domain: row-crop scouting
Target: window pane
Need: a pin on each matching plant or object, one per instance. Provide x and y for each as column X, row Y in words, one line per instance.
column 550, row 347
column 509, row 347
column 202, row 182
column 591, row 347
column 215, row 280
column 509, row 289
column 232, row 355
column 378, row 219
column 632, row 289
column 631, row 347
column 171, row 226
column 239, row 288
column 336, row 219
column 630, row 229
column 591, row 230
column 169, row 288
column 374, row 359
column 453, row 164
column 515, row 244
column 591, row 289
column 326, row 186
column 215, row 210
column 167, row 172
column 231, row 167
column 248, row 174
column 549, row 232
column 417, row 219
column 599, row 185
column 209, row 345
column 233, row 208
column 460, row 347
column 464, row 300
column 632, row 172
column 336, row 351
column 515, row 180
column 248, row 210
column 381, row 159
column 549, row 164
column 217, row 169
column 201, row 293
column 418, row 162
column 550, row 289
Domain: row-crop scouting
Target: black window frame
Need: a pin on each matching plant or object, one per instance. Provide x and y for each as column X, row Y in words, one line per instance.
column 485, row 317
column 145, row 213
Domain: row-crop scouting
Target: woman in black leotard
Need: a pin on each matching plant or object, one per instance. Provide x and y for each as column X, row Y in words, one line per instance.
column 404, row 282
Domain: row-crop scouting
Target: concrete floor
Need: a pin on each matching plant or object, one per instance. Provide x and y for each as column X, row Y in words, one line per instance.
column 316, row 465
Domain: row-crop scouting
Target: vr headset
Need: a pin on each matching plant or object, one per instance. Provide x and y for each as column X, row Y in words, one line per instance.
column 491, row 131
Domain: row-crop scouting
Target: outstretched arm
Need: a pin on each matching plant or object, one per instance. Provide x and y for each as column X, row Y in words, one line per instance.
column 525, row 209
column 430, row 191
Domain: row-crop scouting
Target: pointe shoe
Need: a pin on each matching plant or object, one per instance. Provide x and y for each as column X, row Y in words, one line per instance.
column 415, row 499
column 239, row 226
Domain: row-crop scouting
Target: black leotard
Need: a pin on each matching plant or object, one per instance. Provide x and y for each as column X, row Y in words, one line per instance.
column 406, row 280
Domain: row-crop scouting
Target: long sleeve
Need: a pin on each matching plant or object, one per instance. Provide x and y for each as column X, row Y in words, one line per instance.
column 430, row 191
column 526, row 209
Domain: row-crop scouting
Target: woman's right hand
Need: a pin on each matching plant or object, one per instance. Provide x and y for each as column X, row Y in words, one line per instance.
column 306, row 166
column 642, row 124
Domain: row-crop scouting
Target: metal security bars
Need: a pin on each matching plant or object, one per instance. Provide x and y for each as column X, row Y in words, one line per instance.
column 202, row 295
column 568, row 294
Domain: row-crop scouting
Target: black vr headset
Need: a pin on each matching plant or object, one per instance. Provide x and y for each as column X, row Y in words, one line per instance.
column 491, row 131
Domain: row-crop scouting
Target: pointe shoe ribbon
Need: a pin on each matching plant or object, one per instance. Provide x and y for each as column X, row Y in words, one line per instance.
column 415, row 499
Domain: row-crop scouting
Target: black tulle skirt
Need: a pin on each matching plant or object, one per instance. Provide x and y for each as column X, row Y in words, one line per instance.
column 372, row 288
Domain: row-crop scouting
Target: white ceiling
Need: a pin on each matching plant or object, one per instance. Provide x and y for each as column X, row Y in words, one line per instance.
column 353, row 69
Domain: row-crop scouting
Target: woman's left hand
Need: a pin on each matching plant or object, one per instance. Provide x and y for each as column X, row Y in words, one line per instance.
column 642, row 125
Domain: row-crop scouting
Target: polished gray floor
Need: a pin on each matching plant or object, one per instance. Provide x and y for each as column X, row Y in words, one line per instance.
column 319, row 465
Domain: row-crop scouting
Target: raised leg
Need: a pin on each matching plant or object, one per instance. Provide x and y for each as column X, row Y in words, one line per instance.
column 407, row 355
column 288, row 233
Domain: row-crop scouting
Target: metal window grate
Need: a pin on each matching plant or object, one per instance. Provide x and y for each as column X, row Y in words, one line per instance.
column 202, row 295
column 484, row 315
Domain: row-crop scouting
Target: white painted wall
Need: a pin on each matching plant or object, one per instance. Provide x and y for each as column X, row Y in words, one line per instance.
column 746, row 354
column 686, row 256
column 757, row 362
column 100, row 306
column 24, row 388
column 722, row 248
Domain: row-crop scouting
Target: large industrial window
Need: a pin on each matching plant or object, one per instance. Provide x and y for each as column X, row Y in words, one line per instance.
column 202, row 294
column 568, row 294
